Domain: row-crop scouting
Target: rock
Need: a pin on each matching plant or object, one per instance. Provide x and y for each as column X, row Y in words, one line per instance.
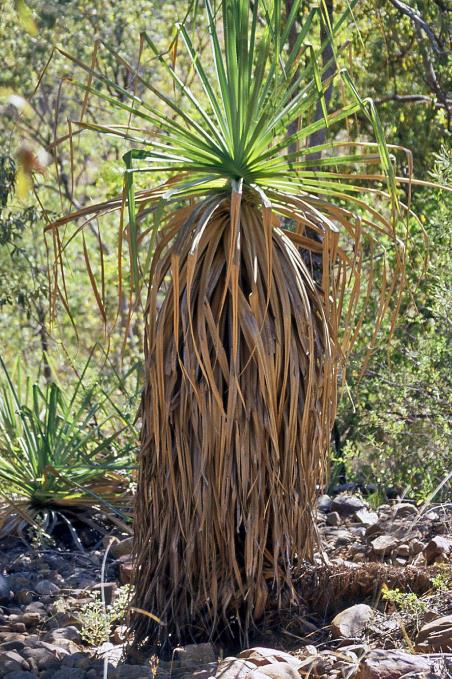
column 5, row 592
column 46, row 587
column 351, row 622
column 404, row 510
column 70, row 673
column 403, row 550
column 125, row 572
column 261, row 657
column 40, row 658
column 279, row 670
column 70, row 633
column 366, row 518
column 416, row 546
column 324, row 503
column 119, row 634
column 438, row 546
column 333, row 519
column 122, row 548
column 109, row 589
column 391, row 664
column 134, row 672
column 20, row 674
column 23, row 596
column 436, row 635
column 343, row 537
column 12, row 645
column 195, row 654
column 384, row 544
column 347, row 504
column 232, row 668
column 11, row 661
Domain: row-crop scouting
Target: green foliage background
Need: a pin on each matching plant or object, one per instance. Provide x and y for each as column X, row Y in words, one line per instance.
column 394, row 421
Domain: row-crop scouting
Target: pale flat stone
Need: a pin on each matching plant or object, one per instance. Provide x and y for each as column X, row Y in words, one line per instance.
column 351, row 622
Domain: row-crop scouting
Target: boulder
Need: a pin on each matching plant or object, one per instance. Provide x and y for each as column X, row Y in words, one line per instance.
column 11, row 661
column 195, row 654
column 404, row 510
column 279, row 670
column 333, row 519
column 122, row 548
column 347, row 504
column 261, row 657
column 384, row 544
column 233, row 668
column 324, row 503
column 69, row 633
column 438, row 546
column 436, row 635
column 351, row 622
column 391, row 664
column 46, row 587
column 366, row 518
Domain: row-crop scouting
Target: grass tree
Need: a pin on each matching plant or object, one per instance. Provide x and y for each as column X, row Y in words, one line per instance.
column 262, row 263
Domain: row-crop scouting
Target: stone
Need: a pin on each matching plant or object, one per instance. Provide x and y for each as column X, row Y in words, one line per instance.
column 5, row 591
column 195, row 654
column 11, row 661
column 333, row 519
column 438, row 546
column 69, row 633
column 391, row 664
column 20, row 674
column 404, row 510
column 342, row 537
column 403, row 550
column 262, row 656
column 125, row 572
column 351, row 622
column 324, row 503
column 108, row 588
column 70, row 673
column 347, row 504
column 366, row 518
column 40, row 658
column 233, row 668
column 133, row 672
column 279, row 670
column 384, row 544
column 46, row 587
column 436, row 635
column 416, row 546
column 23, row 596
column 121, row 548
column 12, row 645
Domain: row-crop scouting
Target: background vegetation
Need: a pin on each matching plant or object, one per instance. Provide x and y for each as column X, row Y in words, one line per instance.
column 394, row 421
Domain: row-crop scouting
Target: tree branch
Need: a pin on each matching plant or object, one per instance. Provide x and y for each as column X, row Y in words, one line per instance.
column 420, row 23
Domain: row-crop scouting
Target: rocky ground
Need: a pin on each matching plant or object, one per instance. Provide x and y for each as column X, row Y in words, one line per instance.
column 377, row 604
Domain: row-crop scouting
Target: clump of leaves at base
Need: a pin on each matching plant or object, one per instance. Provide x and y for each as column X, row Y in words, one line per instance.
column 61, row 454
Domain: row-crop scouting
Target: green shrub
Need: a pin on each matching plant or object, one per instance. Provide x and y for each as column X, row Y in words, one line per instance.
column 61, row 452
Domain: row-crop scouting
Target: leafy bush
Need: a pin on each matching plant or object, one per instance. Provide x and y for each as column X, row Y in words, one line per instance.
column 397, row 430
column 60, row 452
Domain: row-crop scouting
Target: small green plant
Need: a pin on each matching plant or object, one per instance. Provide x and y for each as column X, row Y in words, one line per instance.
column 61, row 453
column 442, row 582
column 97, row 621
column 407, row 602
